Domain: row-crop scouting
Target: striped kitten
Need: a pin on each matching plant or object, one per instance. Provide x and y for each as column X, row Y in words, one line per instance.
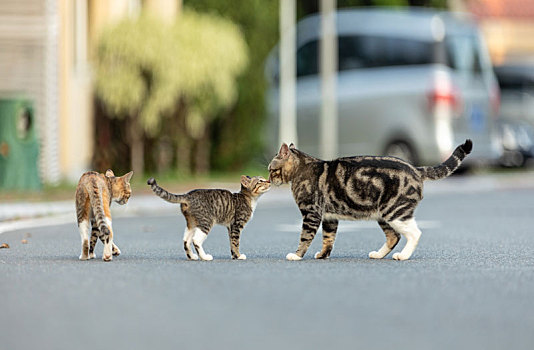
column 204, row 208
column 94, row 194
column 385, row 189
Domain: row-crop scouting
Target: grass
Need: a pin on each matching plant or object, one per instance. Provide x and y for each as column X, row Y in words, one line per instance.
column 179, row 182
column 171, row 180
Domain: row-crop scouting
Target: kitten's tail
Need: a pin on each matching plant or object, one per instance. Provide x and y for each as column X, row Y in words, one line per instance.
column 449, row 166
column 160, row 192
column 97, row 205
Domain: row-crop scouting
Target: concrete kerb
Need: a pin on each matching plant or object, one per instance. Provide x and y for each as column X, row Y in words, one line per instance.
column 22, row 215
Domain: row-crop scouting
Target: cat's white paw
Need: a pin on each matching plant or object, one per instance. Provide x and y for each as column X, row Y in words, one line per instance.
column 375, row 255
column 399, row 256
column 107, row 257
column 293, row 257
column 242, row 257
column 92, row 256
column 116, row 251
column 207, row 257
column 194, row 257
column 318, row 256
column 81, row 257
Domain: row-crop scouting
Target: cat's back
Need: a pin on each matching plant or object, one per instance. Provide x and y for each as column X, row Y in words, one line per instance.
column 90, row 178
column 383, row 164
column 215, row 205
column 208, row 197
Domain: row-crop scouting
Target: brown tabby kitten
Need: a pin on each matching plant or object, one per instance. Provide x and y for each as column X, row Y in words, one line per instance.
column 204, row 208
column 386, row 189
column 94, row 194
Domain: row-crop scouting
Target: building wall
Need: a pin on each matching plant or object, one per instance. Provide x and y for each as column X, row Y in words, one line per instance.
column 46, row 49
column 28, row 67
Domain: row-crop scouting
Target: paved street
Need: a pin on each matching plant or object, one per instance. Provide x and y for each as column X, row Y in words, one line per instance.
column 469, row 284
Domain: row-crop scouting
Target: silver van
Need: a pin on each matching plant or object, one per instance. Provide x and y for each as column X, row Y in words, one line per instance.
column 411, row 83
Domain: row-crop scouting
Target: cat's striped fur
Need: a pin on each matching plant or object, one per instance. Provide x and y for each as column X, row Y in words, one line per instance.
column 94, row 194
column 386, row 189
column 204, row 208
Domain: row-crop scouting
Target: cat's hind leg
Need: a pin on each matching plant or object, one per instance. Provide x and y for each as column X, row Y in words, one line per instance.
column 408, row 228
column 392, row 238
column 329, row 236
column 188, row 239
column 198, row 239
column 95, row 234
column 84, row 226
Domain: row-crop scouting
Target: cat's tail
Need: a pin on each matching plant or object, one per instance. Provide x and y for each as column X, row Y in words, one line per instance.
column 160, row 192
column 449, row 166
column 98, row 210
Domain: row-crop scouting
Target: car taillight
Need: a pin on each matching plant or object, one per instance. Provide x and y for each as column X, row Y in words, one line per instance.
column 443, row 94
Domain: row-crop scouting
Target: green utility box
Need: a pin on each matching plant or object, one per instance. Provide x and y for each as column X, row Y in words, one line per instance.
column 19, row 147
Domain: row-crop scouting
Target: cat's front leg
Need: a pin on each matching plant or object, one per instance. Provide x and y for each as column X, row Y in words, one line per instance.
column 234, row 233
column 115, row 250
column 311, row 219
column 107, row 254
column 329, row 236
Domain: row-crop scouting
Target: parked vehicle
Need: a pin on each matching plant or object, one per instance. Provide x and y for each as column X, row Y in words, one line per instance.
column 516, row 82
column 411, row 83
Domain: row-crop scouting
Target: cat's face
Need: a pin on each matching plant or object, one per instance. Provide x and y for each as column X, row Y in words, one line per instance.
column 257, row 185
column 282, row 165
column 120, row 187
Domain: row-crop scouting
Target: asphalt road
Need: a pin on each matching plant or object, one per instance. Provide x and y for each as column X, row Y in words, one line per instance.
column 469, row 284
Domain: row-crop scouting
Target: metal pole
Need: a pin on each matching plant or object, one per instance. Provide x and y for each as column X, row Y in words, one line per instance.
column 328, row 47
column 288, row 116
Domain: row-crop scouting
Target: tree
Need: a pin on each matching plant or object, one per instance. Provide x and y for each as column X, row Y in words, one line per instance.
column 131, row 80
column 146, row 70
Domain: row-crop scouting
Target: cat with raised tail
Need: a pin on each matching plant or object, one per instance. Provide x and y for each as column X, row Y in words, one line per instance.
column 204, row 208
column 385, row 189
column 94, row 194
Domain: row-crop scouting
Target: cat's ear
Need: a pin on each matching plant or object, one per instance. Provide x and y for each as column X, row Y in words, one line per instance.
column 109, row 173
column 284, row 151
column 128, row 176
column 292, row 146
column 245, row 180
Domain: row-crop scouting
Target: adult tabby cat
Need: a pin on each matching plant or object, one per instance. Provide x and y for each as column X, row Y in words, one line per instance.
column 386, row 189
column 204, row 208
column 94, row 194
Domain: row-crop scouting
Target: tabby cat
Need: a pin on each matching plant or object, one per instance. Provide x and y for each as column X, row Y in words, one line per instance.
column 94, row 194
column 386, row 189
column 205, row 207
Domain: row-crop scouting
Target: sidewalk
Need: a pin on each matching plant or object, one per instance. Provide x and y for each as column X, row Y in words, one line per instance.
column 21, row 215
column 18, row 215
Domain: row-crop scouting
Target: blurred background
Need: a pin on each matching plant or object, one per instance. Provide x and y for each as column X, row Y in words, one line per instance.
column 188, row 88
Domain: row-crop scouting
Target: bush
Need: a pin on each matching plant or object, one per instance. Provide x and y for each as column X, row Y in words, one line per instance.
column 183, row 75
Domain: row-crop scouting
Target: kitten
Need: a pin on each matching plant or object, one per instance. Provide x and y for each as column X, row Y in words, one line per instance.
column 204, row 208
column 386, row 189
column 94, row 194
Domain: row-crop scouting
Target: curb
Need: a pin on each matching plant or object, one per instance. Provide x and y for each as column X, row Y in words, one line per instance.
column 21, row 215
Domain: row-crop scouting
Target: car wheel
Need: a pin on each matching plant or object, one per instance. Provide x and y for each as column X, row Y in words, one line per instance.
column 401, row 150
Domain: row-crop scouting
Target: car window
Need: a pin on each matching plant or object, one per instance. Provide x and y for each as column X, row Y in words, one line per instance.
column 375, row 51
column 464, row 54
column 358, row 51
column 307, row 59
